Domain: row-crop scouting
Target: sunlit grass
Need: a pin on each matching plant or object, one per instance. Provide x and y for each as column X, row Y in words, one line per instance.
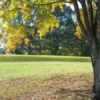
column 31, row 58
column 42, row 69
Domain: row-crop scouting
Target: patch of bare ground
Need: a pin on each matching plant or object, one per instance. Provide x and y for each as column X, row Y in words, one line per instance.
column 58, row 87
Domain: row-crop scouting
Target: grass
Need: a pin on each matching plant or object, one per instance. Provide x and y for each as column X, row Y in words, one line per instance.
column 42, row 69
column 53, row 79
column 31, row 58
column 57, row 87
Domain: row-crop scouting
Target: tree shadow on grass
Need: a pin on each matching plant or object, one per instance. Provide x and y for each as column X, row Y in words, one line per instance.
column 76, row 94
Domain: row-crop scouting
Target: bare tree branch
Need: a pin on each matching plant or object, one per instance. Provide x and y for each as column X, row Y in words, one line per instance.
column 79, row 18
column 41, row 4
column 90, row 11
column 85, row 15
column 98, row 15
column 50, row 3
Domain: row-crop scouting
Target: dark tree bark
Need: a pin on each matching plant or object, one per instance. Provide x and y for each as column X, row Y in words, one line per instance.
column 97, row 60
column 91, row 31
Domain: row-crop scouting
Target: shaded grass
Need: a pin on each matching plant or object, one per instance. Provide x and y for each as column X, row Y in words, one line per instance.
column 58, row 87
column 45, row 80
column 42, row 69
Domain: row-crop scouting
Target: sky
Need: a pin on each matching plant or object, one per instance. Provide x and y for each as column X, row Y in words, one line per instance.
column 71, row 5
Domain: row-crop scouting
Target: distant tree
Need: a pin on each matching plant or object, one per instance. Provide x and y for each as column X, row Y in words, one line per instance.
column 62, row 40
column 59, row 41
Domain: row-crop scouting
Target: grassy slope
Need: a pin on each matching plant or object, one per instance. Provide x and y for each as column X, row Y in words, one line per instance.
column 22, row 69
column 57, row 86
column 30, row 58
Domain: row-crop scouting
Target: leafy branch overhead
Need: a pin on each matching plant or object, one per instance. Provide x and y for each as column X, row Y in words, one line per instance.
column 42, row 14
column 39, row 11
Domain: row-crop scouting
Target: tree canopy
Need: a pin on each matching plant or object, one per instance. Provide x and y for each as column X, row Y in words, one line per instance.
column 42, row 14
column 40, row 11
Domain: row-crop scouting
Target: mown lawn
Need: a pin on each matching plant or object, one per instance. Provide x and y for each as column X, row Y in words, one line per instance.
column 31, row 58
column 42, row 69
column 46, row 80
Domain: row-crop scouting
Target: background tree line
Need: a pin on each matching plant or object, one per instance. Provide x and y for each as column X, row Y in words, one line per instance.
column 59, row 41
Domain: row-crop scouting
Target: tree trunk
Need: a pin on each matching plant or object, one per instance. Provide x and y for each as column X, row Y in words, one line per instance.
column 97, row 79
column 96, row 70
column 97, row 59
column 91, row 32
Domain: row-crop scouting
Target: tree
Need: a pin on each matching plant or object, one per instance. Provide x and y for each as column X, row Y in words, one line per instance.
column 90, row 27
column 60, row 37
column 88, row 20
column 61, row 40
column 33, row 44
